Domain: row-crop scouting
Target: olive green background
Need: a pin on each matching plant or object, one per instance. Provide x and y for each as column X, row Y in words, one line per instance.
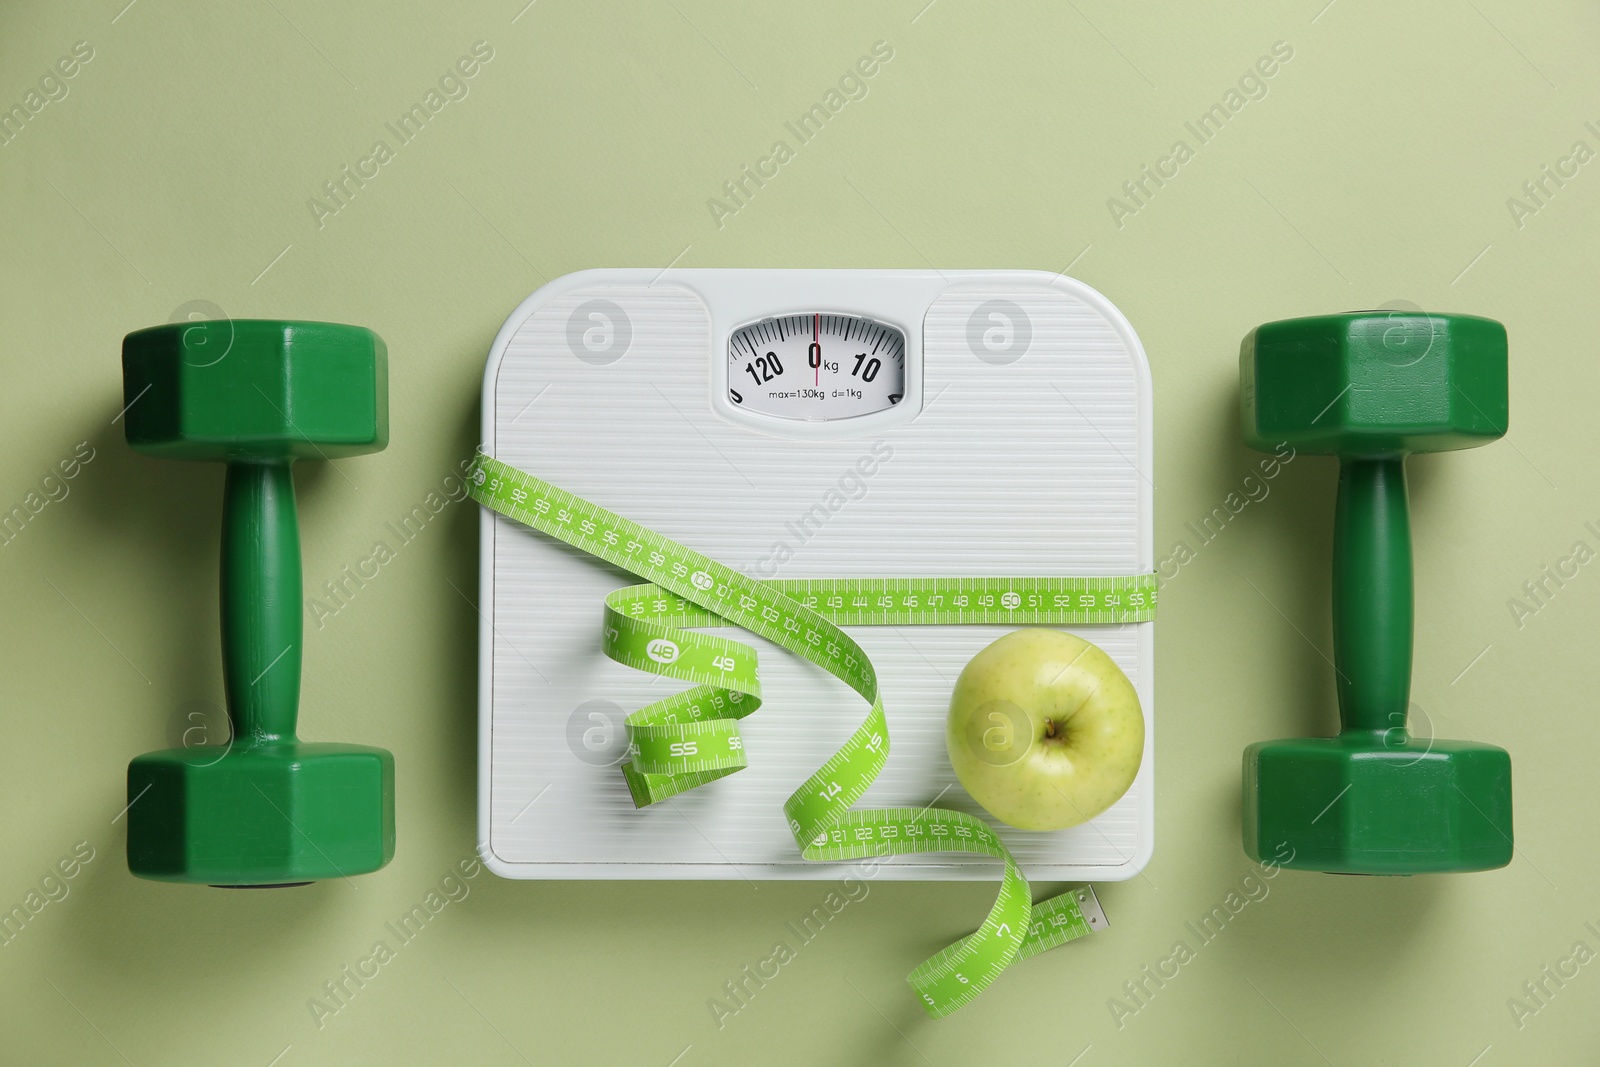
column 1377, row 168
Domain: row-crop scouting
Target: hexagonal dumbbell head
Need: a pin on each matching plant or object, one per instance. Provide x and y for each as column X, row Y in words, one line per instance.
column 1406, row 805
column 1374, row 383
column 264, row 814
column 234, row 389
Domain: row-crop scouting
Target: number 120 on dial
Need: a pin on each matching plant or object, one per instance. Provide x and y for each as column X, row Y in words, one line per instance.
column 816, row 366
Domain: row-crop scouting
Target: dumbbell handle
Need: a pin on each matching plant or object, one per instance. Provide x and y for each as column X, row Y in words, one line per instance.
column 261, row 610
column 1372, row 595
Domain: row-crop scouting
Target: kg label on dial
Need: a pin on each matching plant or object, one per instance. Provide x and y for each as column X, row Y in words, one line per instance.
column 816, row 366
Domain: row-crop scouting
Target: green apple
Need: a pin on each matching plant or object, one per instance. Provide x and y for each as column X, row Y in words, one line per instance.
column 1045, row 731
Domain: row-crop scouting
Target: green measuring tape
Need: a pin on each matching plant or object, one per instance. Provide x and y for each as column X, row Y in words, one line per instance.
column 692, row 737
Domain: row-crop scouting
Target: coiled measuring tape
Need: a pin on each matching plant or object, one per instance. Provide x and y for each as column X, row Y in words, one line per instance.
column 692, row 737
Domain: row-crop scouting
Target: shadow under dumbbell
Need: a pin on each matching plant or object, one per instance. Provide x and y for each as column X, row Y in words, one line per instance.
column 133, row 925
column 162, row 522
column 1291, row 532
column 457, row 634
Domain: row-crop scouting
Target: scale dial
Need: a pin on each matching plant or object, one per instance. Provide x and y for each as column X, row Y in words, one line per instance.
column 816, row 366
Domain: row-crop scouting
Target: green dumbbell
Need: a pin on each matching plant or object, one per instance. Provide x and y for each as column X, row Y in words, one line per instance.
column 1372, row 387
column 268, row 809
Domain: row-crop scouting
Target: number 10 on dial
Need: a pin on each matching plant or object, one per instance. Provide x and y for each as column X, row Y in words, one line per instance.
column 816, row 366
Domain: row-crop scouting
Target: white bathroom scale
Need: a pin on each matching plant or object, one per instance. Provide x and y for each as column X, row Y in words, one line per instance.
column 799, row 424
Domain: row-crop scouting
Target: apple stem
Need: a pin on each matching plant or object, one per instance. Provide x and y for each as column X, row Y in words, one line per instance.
column 1049, row 727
